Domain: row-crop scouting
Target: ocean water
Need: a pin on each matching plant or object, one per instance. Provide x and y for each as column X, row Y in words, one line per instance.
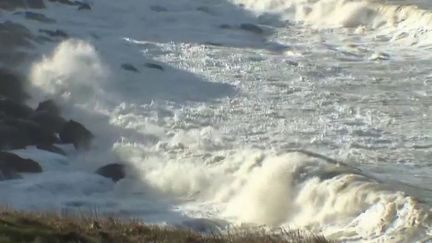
column 321, row 122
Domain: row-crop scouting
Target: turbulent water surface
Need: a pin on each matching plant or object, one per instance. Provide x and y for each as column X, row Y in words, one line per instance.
column 214, row 134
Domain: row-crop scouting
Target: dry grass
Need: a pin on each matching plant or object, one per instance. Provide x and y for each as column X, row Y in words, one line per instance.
column 16, row 227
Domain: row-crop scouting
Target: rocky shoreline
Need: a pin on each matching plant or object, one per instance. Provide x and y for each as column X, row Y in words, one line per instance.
column 42, row 127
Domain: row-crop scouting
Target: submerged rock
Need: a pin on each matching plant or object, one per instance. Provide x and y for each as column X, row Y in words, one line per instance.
column 129, row 67
column 84, row 6
column 75, row 133
column 38, row 17
column 154, row 66
column 55, row 33
column 10, row 163
column 115, row 171
column 252, row 28
column 158, row 8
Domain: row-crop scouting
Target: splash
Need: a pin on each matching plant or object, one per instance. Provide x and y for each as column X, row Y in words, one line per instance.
column 408, row 24
column 73, row 71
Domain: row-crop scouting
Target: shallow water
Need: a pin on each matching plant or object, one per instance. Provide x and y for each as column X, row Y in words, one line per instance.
column 212, row 135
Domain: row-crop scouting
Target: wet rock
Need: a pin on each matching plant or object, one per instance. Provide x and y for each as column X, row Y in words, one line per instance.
column 55, row 33
column 14, row 4
column 49, row 106
column 32, row 130
column 158, row 8
column 11, row 85
column 212, row 43
column 12, row 137
column 52, row 149
column 84, row 6
column 252, row 28
column 67, row 2
column 75, row 133
column 154, row 66
column 10, row 163
column 129, row 67
column 13, row 108
column 225, row 26
column 115, row 172
column 48, row 121
column 38, row 17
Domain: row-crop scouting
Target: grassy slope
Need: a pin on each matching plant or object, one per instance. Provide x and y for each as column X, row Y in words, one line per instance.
column 16, row 227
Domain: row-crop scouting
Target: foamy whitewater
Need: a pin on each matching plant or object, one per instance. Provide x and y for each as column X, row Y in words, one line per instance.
column 322, row 122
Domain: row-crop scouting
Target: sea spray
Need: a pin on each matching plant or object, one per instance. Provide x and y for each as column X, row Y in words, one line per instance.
column 73, row 72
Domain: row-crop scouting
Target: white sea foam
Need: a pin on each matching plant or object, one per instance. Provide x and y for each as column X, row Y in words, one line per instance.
column 402, row 23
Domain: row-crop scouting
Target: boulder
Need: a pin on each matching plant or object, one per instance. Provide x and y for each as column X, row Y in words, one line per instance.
column 12, row 137
column 32, row 130
column 10, row 162
column 49, row 106
column 114, row 171
column 12, row 108
column 48, row 121
column 11, row 85
column 75, row 133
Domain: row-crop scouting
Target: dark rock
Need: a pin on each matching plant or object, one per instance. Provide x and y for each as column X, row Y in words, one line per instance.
column 115, row 172
column 158, row 8
column 49, row 106
column 32, row 130
column 13, row 138
column 154, row 66
column 55, row 33
column 12, row 108
column 52, row 149
column 14, row 4
column 212, row 43
column 252, row 28
column 11, row 86
column 75, row 133
column 225, row 26
column 38, row 17
column 48, row 121
column 84, row 6
column 10, row 162
column 67, row 2
column 129, row 67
